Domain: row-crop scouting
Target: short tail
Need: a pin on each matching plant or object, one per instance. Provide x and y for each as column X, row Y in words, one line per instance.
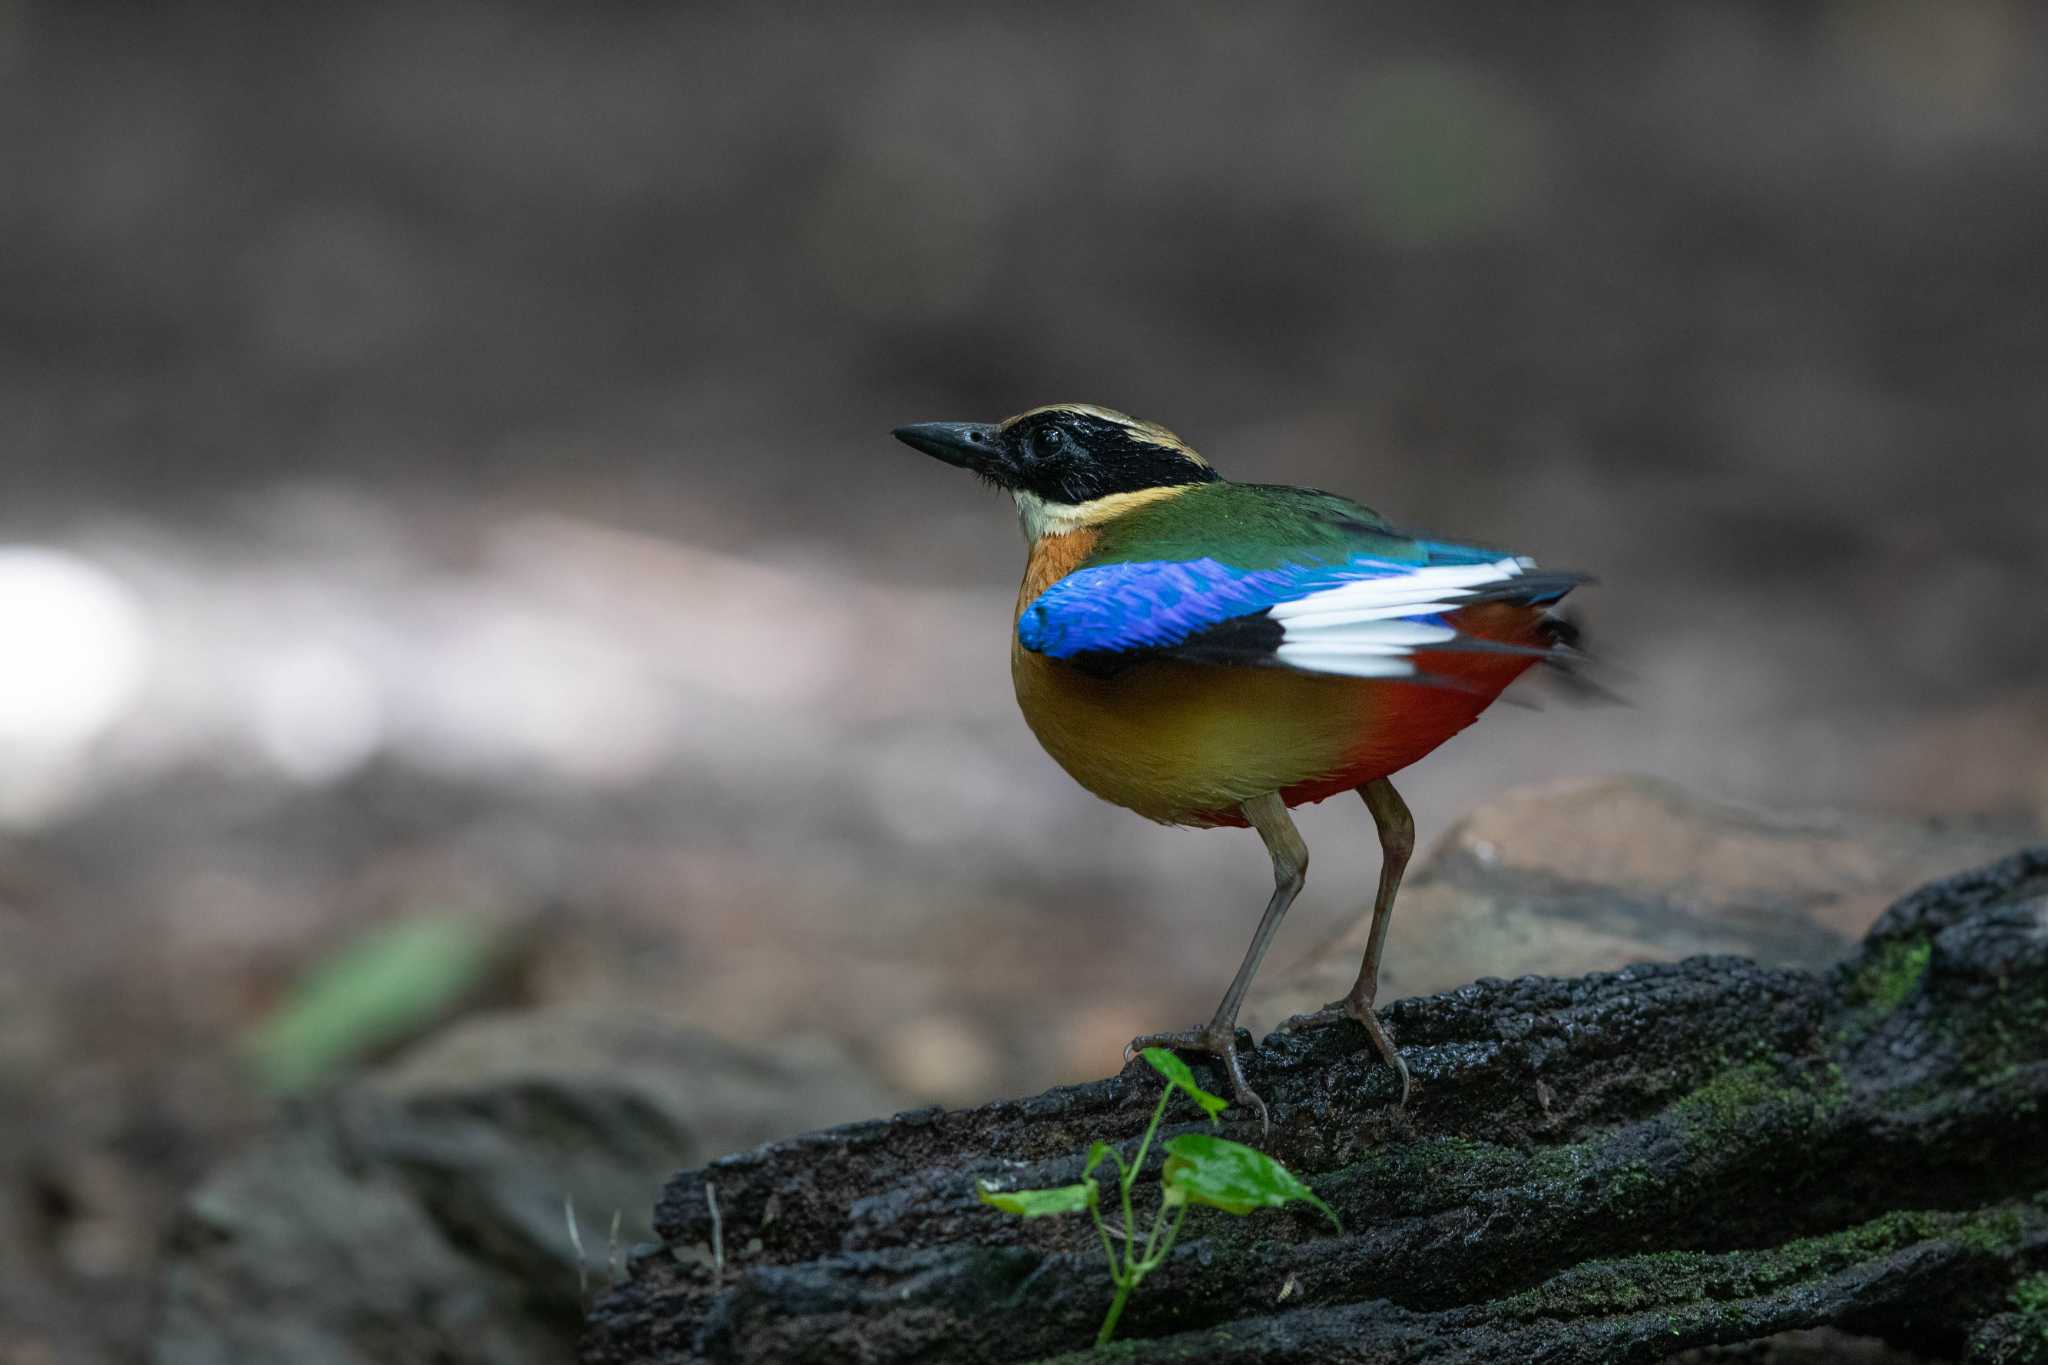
column 1572, row 668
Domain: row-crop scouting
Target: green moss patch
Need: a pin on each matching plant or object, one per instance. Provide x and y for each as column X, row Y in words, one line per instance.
column 1680, row 1279
column 1724, row 1111
column 1890, row 973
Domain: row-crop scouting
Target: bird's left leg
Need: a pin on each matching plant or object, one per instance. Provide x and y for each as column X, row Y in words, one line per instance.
column 1268, row 815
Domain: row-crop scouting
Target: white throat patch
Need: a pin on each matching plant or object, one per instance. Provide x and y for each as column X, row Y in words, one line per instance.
column 1042, row 518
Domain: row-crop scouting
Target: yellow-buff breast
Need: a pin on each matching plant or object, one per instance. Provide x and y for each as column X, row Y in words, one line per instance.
column 1177, row 742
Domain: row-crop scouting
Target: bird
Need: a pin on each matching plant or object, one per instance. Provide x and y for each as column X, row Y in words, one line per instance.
column 1209, row 653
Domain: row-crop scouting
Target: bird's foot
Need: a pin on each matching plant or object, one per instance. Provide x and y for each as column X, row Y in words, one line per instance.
column 1217, row 1042
column 1361, row 1010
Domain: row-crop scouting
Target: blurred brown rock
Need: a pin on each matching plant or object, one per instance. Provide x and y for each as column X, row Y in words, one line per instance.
column 420, row 1215
column 1591, row 874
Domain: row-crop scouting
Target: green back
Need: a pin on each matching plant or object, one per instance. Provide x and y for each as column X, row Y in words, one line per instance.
column 1252, row 526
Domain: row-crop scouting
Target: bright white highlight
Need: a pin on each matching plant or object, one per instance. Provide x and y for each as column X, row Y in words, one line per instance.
column 318, row 713
column 74, row 650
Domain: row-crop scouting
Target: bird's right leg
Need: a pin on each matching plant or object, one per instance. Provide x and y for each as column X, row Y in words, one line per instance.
column 1268, row 815
column 1397, row 842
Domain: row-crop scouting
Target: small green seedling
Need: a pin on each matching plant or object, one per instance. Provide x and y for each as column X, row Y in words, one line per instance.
column 1200, row 1169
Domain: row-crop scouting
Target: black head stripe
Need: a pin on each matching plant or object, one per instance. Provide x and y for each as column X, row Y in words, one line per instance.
column 1095, row 458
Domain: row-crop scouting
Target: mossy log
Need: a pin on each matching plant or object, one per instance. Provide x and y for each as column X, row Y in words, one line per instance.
column 1611, row 1168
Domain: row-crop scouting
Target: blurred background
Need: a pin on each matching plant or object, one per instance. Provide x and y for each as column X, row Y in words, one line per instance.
column 452, row 556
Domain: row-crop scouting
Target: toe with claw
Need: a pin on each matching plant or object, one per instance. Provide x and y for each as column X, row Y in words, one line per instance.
column 1382, row 1041
column 1218, row 1043
column 1339, row 1010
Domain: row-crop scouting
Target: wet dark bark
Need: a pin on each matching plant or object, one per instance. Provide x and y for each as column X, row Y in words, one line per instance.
column 1604, row 1169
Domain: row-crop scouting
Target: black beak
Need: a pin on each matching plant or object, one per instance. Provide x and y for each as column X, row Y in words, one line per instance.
column 970, row 445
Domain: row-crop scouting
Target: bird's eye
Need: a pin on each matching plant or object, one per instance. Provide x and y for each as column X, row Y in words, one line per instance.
column 1049, row 441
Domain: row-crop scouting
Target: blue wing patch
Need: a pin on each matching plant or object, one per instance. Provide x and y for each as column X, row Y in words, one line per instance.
column 1115, row 608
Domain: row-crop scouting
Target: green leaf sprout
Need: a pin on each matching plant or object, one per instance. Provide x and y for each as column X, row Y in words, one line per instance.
column 1200, row 1169
column 1039, row 1203
column 1233, row 1177
column 1176, row 1072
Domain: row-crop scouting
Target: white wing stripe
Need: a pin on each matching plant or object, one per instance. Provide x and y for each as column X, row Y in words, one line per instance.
column 1375, row 635
column 1355, row 665
column 1323, row 620
column 1369, row 628
column 1420, row 586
